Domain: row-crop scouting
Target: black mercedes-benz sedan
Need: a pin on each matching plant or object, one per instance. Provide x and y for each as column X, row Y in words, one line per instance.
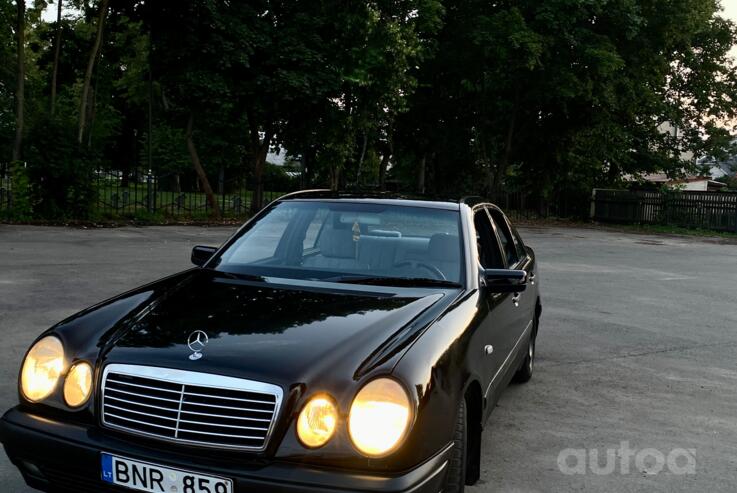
column 337, row 342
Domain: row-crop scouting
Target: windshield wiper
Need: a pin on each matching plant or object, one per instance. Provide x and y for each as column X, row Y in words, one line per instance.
column 395, row 281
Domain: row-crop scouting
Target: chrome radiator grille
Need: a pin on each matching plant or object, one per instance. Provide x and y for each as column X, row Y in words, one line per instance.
column 189, row 407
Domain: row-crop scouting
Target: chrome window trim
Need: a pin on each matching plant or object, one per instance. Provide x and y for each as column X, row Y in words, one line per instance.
column 186, row 377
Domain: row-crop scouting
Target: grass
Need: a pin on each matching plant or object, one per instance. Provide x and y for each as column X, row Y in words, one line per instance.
column 110, row 208
column 652, row 229
column 169, row 206
column 675, row 230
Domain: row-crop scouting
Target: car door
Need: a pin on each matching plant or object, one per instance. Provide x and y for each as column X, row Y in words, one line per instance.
column 516, row 258
column 497, row 326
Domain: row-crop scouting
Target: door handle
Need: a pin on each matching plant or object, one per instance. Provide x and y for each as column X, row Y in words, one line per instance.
column 515, row 298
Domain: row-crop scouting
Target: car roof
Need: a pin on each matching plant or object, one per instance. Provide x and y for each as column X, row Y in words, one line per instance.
column 378, row 197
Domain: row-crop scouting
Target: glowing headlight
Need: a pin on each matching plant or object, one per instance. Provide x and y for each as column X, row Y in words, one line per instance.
column 379, row 417
column 41, row 369
column 78, row 384
column 317, row 421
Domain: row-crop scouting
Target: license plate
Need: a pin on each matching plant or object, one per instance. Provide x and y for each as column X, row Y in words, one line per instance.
column 143, row 476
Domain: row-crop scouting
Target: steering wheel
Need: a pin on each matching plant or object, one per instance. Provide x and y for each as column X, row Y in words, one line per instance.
column 428, row 267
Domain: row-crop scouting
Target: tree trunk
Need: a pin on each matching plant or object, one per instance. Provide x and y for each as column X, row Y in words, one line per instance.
column 335, row 176
column 382, row 169
column 259, row 167
column 501, row 170
column 92, row 114
column 57, row 51
column 308, row 167
column 504, row 162
column 361, row 158
column 259, row 151
column 302, row 170
column 200, row 170
column 384, row 164
column 149, row 140
column 20, row 91
column 421, row 174
column 90, row 66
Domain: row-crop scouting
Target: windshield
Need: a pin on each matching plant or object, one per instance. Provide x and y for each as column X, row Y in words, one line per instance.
column 350, row 242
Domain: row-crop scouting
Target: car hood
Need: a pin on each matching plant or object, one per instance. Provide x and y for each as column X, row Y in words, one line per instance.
column 270, row 332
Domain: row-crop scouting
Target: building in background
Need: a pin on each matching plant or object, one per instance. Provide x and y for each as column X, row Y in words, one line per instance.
column 700, row 183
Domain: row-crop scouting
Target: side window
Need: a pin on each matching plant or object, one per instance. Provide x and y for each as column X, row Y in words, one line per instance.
column 505, row 236
column 489, row 255
column 521, row 252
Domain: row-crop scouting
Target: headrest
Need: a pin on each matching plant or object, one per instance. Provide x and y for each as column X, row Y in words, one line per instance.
column 337, row 243
column 444, row 247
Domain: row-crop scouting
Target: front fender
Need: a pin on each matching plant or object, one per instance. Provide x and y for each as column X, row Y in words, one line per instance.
column 441, row 368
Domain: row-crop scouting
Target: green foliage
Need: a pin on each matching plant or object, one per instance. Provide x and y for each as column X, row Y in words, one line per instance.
column 572, row 93
column 539, row 95
column 20, row 185
column 7, row 78
column 276, row 178
column 60, row 172
column 167, row 149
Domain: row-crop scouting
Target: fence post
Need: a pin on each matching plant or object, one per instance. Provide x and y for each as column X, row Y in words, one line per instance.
column 221, row 190
column 666, row 206
column 522, row 208
column 150, row 195
column 592, row 206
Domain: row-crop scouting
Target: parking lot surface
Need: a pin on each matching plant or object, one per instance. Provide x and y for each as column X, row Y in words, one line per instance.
column 637, row 350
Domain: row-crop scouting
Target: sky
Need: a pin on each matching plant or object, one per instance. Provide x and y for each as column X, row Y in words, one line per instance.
column 730, row 12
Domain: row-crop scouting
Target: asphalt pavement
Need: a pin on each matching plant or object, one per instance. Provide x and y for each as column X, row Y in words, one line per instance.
column 635, row 385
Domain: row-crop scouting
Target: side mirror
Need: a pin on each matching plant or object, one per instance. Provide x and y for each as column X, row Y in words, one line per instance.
column 201, row 254
column 505, row 280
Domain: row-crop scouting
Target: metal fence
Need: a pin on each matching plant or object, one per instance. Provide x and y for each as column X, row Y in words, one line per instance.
column 524, row 205
column 705, row 210
column 140, row 194
column 167, row 195
column 146, row 194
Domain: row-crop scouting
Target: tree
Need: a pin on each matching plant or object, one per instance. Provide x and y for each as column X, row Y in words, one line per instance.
column 569, row 93
column 199, row 169
column 194, row 49
column 57, row 53
column 8, row 64
column 21, row 76
column 371, row 53
column 84, row 103
column 431, row 95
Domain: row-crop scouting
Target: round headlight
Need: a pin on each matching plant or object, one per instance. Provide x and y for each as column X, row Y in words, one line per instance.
column 41, row 369
column 379, row 417
column 78, row 384
column 317, row 421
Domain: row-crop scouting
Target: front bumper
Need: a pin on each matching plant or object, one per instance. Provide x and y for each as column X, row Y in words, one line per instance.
column 56, row 456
